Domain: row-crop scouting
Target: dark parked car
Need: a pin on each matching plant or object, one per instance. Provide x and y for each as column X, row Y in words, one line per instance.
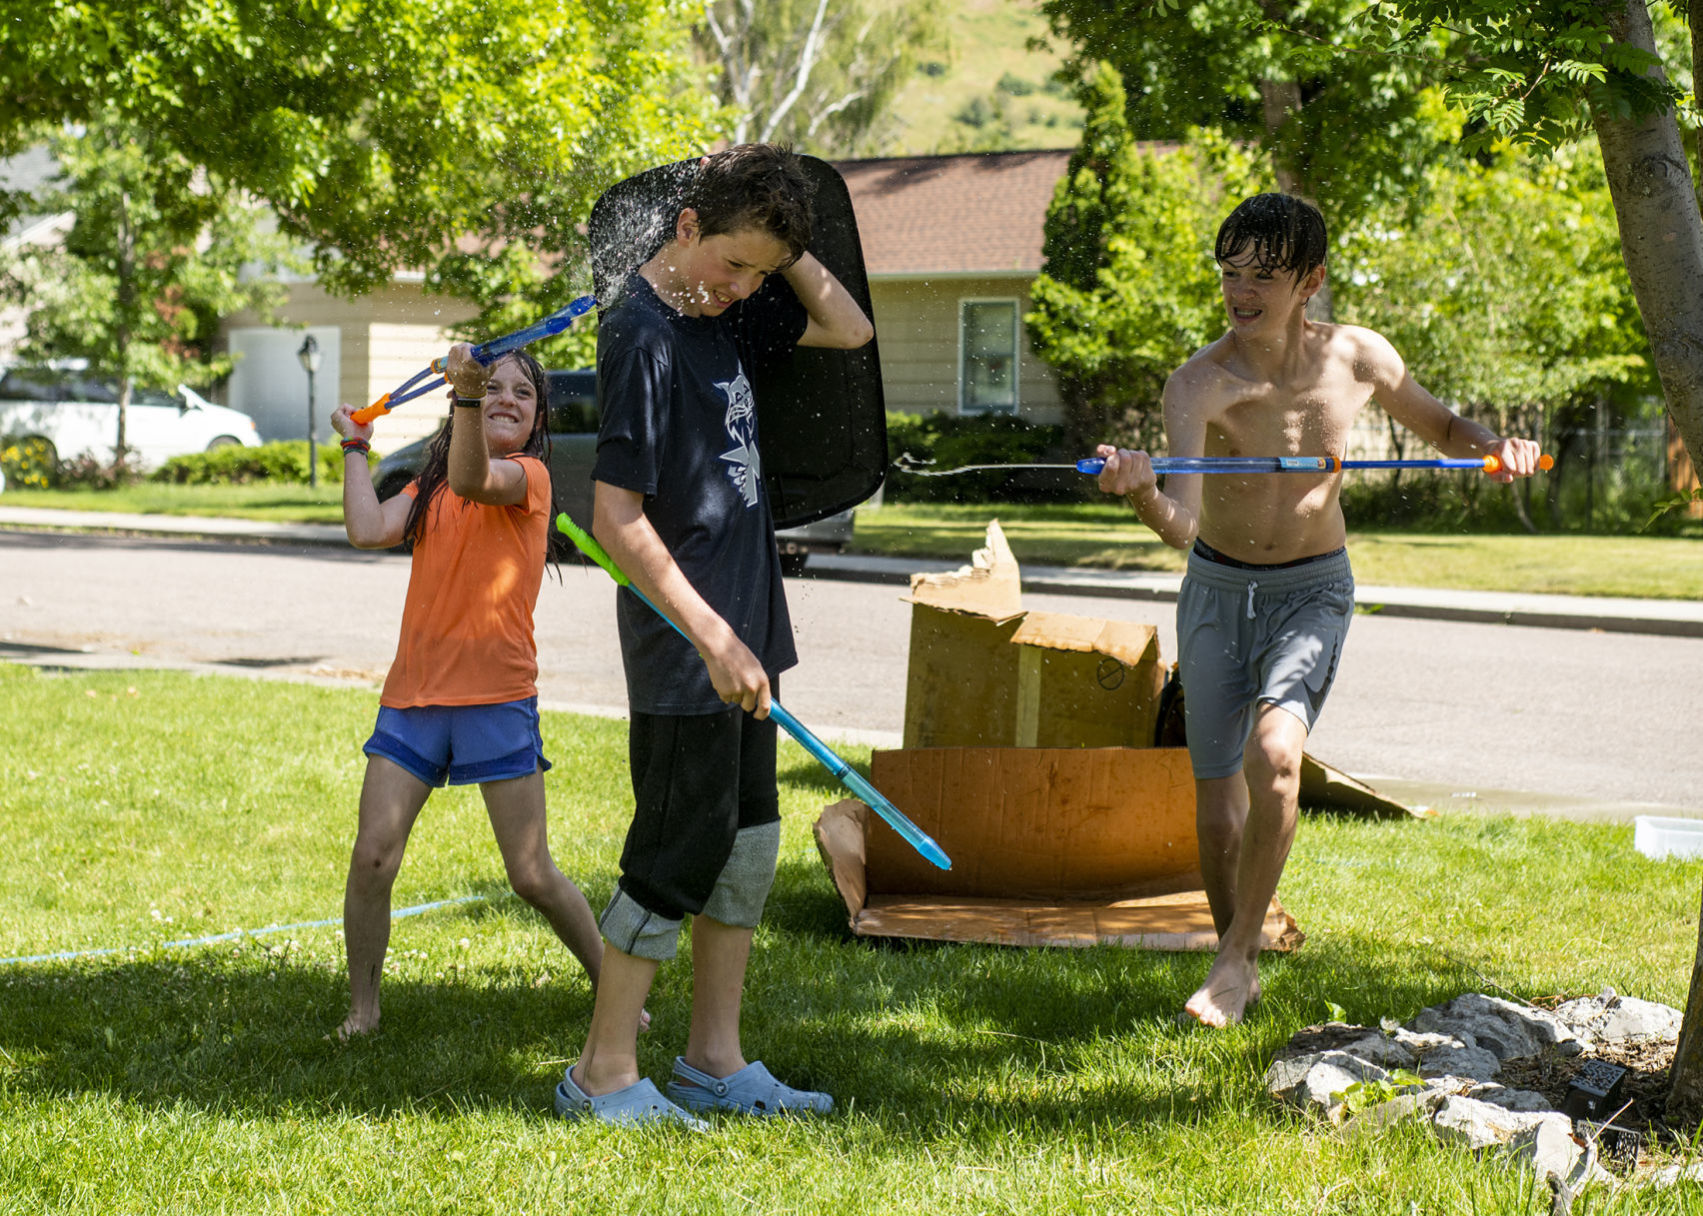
column 573, row 445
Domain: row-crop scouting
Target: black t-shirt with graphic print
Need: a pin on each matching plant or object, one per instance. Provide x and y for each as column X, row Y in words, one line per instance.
column 680, row 427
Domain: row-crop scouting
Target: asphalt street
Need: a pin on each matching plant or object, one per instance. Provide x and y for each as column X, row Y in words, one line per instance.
column 1436, row 712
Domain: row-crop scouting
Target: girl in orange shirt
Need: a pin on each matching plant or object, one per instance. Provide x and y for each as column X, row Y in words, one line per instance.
column 460, row 704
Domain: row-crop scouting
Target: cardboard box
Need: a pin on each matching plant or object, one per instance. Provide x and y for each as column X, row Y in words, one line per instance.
column 1028, row 755
column 1049, row 847
column 985, row 673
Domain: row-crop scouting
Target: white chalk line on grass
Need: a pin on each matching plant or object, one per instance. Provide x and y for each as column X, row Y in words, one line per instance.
column 235, row 934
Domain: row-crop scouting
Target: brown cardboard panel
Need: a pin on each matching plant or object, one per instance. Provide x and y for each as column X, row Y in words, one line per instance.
column 1067, row 681
column 839, row 840
column 1036, row 823
column 1168, row 922
column 1327, row 788
column 1177, row 920
column 962, row 674
column 1083, row 682
column 1125, row 641
column 990, row 586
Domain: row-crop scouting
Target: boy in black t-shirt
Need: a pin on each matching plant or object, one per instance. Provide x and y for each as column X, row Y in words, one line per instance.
column 680, row 506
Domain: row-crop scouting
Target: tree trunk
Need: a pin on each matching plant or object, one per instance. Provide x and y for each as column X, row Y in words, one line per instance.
column 1661, row 239
column 1685, row 1091
column 1278, row 100
column 1694, row 19
column 126, row 303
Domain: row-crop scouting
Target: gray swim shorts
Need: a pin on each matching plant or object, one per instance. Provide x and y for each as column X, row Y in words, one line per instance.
column 1252, row 635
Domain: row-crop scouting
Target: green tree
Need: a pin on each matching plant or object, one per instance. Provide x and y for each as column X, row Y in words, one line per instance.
column 819, row 75
column 1126, row 292
column 1545, row 74
column 1352, row 133
column 1506, row 296
column 388, row 134
column 158, row 252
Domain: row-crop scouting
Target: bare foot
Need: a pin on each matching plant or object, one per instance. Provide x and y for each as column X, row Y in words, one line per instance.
column 1230, row 987
column 355, row 1025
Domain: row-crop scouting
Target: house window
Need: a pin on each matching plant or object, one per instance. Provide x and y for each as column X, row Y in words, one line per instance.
column 987, row 356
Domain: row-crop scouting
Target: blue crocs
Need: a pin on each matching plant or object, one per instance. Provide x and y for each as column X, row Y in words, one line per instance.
column 636, row 1104
column 752, row 1090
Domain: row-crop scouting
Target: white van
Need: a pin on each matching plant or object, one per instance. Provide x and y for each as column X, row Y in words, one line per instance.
column 72, row 413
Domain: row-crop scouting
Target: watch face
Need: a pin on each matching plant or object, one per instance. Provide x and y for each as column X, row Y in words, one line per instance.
column 821, row 414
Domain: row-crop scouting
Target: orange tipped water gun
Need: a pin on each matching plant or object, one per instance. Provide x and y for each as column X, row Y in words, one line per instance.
column 485, row 352
column 1229, row 464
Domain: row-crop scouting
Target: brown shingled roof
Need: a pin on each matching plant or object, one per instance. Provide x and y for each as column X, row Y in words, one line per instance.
column 980, row 212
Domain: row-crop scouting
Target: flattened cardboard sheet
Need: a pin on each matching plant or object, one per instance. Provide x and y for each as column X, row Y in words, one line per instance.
column 1330, row 789
column 1175, row 920
column 1037, row 823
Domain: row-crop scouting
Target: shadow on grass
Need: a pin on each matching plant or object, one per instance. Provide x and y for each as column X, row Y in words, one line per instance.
column 938, row 1034
column 961, row 1041
column 235, row 1035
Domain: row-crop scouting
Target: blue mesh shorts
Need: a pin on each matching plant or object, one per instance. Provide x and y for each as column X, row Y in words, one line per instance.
column 1248, row 636
column 461, row 744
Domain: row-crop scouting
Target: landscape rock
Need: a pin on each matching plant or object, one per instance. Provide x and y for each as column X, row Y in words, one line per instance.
column 1460, row 1060
column 1550, row 1151
column 1419, row 1042
column 1364, row 1042
column 1480, row 1125
column 1457, row 1049
column 1510, row 1099
column 1610, row 1017
column 1320, row 1079
column 1419, row 1104
column 1673, row 1175
column 1506, row 1030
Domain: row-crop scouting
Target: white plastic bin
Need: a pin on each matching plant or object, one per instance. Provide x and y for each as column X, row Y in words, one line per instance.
column 1656, row 836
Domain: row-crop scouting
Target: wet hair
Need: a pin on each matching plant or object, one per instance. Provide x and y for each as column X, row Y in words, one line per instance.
column 760, row 186
column 434, row 474
column 1286, row 234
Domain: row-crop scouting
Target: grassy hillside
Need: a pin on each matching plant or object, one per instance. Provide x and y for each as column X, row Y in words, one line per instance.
column 986, row 90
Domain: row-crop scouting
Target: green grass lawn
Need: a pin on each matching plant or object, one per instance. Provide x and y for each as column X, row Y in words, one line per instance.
column 1109, row 537
column 269, row 502
column 142, row 808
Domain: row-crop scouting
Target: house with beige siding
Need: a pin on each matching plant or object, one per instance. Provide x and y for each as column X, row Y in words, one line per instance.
column 368, row 345
column 951, row 245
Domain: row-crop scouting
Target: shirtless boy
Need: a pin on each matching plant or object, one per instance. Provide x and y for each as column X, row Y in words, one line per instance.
column 1268, row 595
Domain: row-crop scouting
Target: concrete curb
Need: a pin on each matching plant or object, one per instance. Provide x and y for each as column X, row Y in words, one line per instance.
column 1671, row 618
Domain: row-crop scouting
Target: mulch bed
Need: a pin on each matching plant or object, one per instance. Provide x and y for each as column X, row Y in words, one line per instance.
column 1648, row 1065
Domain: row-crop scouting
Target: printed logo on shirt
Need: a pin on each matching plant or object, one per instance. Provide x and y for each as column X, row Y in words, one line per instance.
column 745, row 466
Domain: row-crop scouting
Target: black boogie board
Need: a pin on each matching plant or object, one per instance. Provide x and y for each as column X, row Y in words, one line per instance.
column 821, row 415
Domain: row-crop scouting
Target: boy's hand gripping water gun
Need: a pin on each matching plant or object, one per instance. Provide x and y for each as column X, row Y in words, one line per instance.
column 843, row 772
column 485, row 352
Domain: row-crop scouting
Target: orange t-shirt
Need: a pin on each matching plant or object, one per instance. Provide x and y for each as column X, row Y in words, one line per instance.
column 467, row 620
